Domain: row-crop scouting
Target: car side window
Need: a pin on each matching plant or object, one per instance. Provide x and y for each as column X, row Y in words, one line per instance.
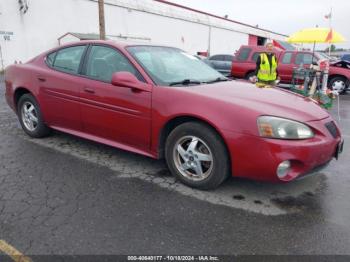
column 216, row 58
column 51, row 58
column 244, row 54
column 228, row 58
column 255, row 56
column 304, row 58
column 287, row 58
column 68, row 59
column 104, row 61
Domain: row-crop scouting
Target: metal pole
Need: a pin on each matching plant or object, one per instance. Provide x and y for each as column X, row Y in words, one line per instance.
column 209, row 41
column 101, row 15
column 2, row 61
column 330, row 28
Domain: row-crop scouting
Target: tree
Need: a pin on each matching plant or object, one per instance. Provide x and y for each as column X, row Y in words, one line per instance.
column 333, row 48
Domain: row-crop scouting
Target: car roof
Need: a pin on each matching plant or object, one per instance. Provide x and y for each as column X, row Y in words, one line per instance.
column 116, row 43
column 263, row 48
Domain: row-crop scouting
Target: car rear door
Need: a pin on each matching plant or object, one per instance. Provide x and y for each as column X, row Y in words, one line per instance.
column 111, row 112
column 60, row 86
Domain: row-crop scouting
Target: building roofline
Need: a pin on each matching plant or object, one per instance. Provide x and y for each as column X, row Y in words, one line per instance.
column 216, row 16
column 81, row 36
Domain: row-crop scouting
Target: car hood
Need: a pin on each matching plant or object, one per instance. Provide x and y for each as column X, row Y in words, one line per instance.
column 263, row 101
column 341, row 63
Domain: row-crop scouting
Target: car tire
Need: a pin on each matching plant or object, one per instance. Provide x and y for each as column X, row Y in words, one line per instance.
column 197, row 156
column 249, row 75
column 338, row 81
column 30, row 117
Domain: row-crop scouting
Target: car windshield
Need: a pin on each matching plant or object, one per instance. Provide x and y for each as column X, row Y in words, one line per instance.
column 170, row 66
column 323, row 56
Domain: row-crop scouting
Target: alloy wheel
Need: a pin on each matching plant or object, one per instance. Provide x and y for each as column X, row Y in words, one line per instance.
column 338, row 85
column 193, row 158
column 29, row 116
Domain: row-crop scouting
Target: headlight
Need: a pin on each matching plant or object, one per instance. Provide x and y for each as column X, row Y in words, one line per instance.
column 275, row 127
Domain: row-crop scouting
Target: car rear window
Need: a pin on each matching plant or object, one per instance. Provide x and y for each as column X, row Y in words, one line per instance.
column 68, row 59
column 244, row 54
column 51, row 58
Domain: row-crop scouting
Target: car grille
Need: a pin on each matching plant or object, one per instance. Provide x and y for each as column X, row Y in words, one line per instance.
column 332, row 128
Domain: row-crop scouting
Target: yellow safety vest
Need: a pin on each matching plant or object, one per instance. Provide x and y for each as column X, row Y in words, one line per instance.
column 267, row 72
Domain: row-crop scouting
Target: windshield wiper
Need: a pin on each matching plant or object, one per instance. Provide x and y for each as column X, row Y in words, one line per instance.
column 219, row 79
column 185, row 82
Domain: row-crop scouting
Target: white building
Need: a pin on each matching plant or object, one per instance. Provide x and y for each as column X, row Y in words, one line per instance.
column 29, row 27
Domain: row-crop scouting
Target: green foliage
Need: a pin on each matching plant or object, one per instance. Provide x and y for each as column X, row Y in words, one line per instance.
column 333, row 48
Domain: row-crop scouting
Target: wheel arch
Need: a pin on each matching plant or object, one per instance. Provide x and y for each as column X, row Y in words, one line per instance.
column 331, row 77
column 248, row 73
column 19, row 92
column 171, row 124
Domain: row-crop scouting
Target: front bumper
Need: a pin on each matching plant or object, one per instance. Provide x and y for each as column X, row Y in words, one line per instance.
column 257, row 158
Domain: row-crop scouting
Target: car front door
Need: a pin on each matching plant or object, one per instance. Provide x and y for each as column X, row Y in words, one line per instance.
column 60, row 86
column 115, row 113
column 285, row 67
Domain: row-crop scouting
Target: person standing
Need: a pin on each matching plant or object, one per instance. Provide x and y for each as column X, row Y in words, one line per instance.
column 266, row 67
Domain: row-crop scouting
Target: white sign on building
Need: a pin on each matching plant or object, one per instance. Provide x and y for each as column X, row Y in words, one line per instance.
column 6, row 36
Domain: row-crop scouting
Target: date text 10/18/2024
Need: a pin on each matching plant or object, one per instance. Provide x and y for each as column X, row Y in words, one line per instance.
column 173, row 258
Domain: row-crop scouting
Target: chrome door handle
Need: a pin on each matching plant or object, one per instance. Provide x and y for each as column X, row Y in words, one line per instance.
column 41, row 78
column 89, row 90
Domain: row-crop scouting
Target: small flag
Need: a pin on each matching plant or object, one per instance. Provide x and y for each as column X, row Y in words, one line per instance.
column 329, row 36
column 277, row 44
column 328, row 16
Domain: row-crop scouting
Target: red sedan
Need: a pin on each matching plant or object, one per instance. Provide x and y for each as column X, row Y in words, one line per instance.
column 161, row 102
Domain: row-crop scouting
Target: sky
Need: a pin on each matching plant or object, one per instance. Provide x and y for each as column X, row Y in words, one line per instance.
column 282, row 16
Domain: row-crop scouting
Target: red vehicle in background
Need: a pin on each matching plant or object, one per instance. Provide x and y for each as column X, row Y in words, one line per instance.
column 244, row 64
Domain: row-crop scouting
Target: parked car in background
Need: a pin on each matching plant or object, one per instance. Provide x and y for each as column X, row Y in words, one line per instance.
column 221, row 63
column 345, row 57
column 244, row 64
column 161, row 102
column 201, row 57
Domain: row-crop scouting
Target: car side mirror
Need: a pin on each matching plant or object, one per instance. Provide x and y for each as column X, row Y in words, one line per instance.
column 128, row 80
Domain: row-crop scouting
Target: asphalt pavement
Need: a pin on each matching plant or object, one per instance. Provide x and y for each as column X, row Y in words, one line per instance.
column 68, row 196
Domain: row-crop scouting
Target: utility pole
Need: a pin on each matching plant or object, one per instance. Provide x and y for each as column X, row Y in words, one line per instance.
column 2, row 61
column 209, row 42
column 101, row 15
